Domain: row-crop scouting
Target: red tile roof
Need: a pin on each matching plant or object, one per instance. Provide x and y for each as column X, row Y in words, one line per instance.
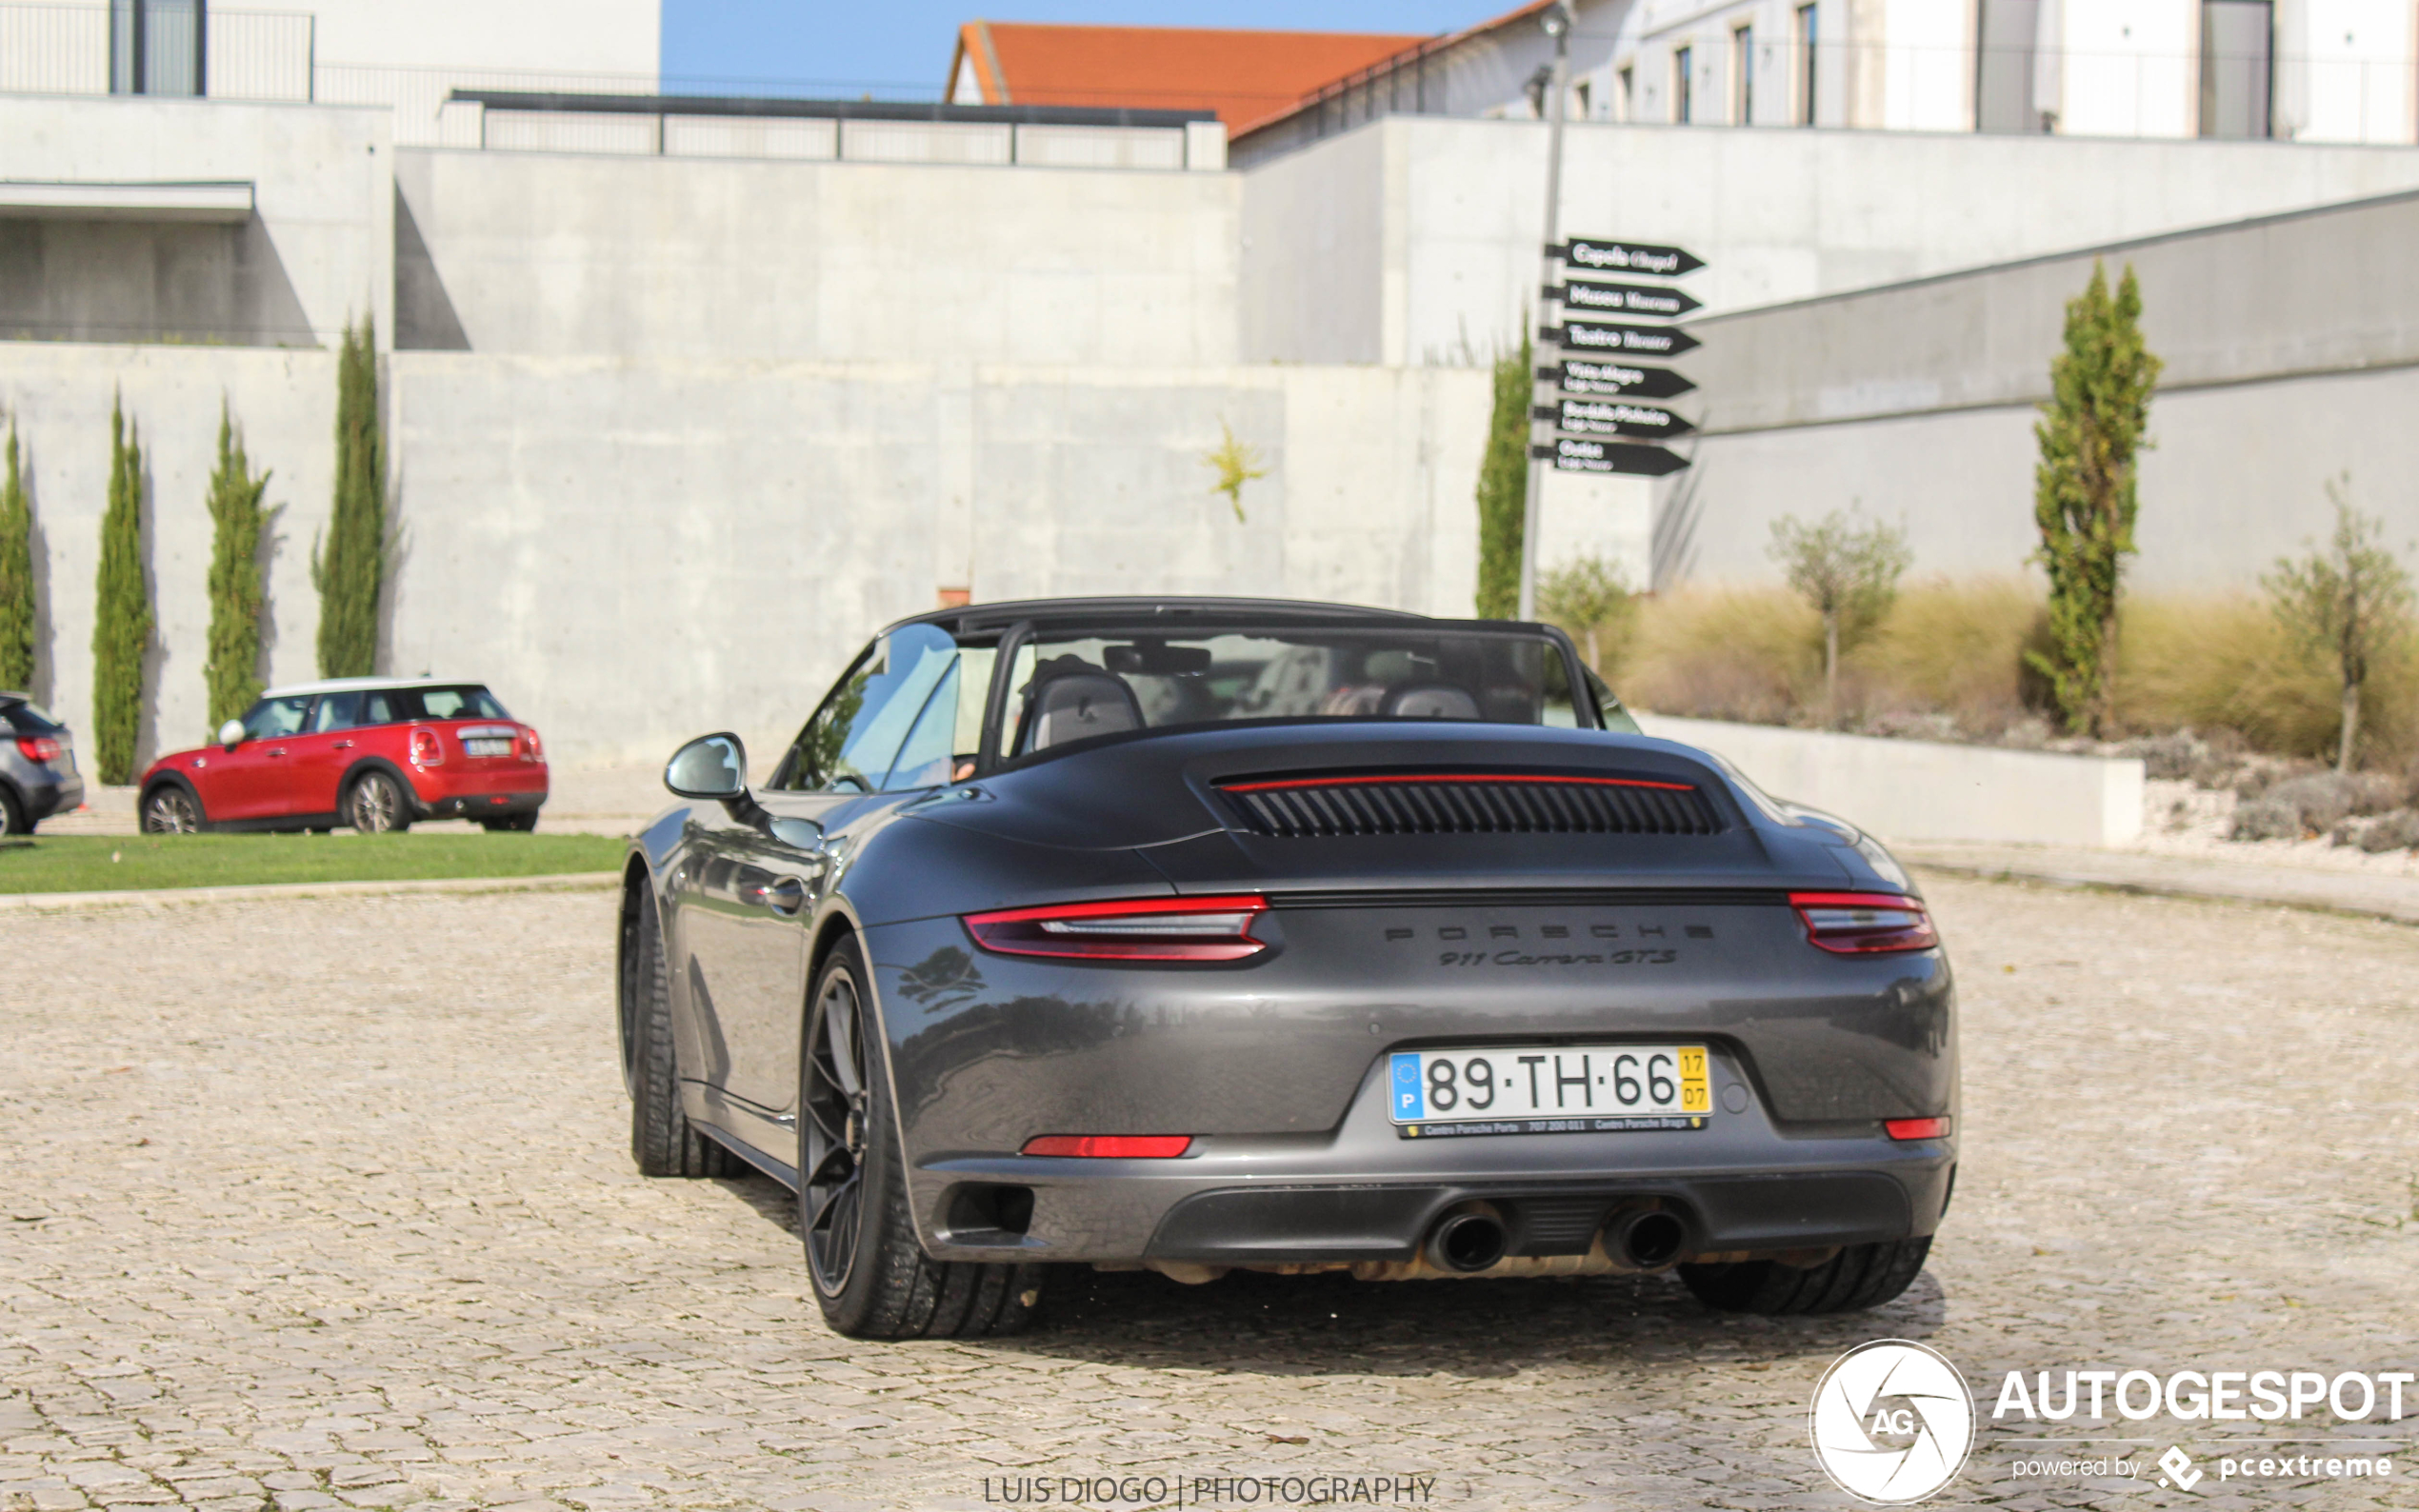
column 1248, row 77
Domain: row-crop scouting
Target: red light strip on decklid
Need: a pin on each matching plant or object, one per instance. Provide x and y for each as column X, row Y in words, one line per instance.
column 1854, row 924
column 1111, row 1146
column 1402, row 778
column 1127, row 930
column 1916, row 1129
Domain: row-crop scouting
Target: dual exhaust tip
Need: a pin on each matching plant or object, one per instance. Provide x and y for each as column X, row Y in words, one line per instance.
column 1472, row 1237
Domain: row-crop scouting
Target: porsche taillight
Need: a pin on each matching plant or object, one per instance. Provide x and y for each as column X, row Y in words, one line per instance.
column 426, row 748
column 1129, row 929
column 1855, row 923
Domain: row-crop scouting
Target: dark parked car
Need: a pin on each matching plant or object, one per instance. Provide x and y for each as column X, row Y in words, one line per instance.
column 37, row 767
column 1204, row 934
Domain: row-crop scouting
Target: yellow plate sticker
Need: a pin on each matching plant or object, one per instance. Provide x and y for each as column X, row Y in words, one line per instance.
column 1696, row 1093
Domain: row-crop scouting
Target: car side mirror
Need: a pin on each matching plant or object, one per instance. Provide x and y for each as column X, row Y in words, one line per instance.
column 231, row 733
column 713, row 766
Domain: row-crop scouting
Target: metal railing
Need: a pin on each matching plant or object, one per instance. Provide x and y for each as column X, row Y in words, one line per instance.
column 246, row 54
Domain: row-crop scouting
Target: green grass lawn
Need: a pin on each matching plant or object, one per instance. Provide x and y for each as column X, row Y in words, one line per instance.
column 113, row 862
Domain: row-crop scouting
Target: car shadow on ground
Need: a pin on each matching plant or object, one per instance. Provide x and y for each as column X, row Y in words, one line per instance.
column 1332, row 1324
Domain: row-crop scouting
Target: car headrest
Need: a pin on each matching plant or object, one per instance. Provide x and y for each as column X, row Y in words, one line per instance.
column 1077, row 706
column 1430, row 700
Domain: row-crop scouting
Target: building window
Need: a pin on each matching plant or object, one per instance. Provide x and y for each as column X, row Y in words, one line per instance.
column 1580, row 99
column 155, row 46
column 1742, row 75
column 1683, row 96
column 1626, row 92
column 1806, row 36
column 2237, row 49
column 2009, row 33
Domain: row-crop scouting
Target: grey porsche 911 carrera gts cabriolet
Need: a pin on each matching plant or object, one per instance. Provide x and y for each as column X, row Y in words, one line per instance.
column 1201, row 934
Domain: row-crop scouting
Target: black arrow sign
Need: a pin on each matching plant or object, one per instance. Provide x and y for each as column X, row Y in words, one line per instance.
column 1601, row 254
column 1624, row 299
column 1581, row 454
column 1606, row 417
column 1634, row 341
column 1618, row 380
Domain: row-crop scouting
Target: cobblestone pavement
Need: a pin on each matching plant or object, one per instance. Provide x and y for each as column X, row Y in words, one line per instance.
column 325, row 1202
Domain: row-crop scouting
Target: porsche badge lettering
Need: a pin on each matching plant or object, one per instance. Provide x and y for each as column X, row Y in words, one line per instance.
column 1641, row 954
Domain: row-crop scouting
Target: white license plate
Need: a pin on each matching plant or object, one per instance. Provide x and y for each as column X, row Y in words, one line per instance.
column 1552, row 1089
column 487, row 747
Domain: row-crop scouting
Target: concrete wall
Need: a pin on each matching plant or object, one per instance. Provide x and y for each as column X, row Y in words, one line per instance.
column 59, row 396
column 545, row 253
column 632, row 552
column 318, row 248
column 2291, row 347
column 1779, row 216
column 1920, row 791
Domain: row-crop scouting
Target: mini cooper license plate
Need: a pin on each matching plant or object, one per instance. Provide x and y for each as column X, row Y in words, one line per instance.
column 1553, row 1089
column 487, row 747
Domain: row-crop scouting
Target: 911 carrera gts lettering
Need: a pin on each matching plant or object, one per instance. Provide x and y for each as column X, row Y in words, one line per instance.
column 1515, row 958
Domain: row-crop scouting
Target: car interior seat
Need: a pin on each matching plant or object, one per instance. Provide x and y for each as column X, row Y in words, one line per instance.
column 1078, row 704
column 1430, row 701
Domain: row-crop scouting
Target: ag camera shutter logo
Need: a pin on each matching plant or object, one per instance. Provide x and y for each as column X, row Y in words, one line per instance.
column 1892, row 1422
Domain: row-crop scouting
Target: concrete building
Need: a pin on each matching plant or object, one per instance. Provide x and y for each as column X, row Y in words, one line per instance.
column 684, row 394
column 2308, row 71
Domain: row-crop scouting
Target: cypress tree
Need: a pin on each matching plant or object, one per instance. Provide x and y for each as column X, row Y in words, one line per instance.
column 1503, row 488
column 351, row 573
column 17, row 577
column 237, row 597
column 2090, row 432
column 122, row 622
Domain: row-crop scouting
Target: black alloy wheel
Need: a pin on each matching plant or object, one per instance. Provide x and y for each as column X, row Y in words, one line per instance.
column 872, row 1277
column 169, row 810
column 376, row 804
column 833, row 1117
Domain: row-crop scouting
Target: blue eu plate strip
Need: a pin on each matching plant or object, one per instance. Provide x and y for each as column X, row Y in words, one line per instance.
column 1411, row 1099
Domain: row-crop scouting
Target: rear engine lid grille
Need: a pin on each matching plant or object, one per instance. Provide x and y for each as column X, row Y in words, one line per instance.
column 1470, row 803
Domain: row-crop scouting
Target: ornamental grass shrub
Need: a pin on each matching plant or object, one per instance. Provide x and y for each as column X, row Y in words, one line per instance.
column 1948, row 661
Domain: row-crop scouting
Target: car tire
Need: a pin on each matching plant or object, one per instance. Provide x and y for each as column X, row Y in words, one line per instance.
column 511, row 824
column 376, row 803
column 12, row 819
column 172, row 809
column 662, row 1141
column 868, row 1271
column 1858, row 1277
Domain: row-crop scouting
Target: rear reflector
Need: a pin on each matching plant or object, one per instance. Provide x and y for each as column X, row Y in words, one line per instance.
column 1864, row 922
column 1111, row 1146
column 1130, row 929
column 38, row 747
column 1917, row 1128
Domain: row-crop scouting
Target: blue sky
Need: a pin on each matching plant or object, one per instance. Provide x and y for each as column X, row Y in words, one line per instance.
column 900, row 48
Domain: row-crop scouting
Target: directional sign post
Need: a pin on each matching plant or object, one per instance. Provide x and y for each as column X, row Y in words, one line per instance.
column 1604, row 336
column 1616, row 378
column 1601, row 417
column 1593, row 255
column 1641, row 301
column 1586, row 454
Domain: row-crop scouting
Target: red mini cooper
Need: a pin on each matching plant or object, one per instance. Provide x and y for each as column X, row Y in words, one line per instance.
column 376, row 753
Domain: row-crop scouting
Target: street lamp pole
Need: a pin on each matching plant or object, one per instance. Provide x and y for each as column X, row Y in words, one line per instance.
column 1556, row 21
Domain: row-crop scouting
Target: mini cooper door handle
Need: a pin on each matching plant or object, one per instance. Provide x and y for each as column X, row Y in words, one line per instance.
column 785, row 897
column 343, row 744
column 277, row 751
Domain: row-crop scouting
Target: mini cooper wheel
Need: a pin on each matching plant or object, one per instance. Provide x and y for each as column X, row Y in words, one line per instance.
column 662, row 1141
column 1858, row 1277
column 376, row 804
column 871, row 1275
column 169, row 810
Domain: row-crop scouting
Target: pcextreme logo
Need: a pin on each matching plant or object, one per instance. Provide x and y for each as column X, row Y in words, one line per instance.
column 1892, row 1422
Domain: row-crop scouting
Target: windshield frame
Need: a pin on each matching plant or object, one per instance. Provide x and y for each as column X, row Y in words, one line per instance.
column 989, row 758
